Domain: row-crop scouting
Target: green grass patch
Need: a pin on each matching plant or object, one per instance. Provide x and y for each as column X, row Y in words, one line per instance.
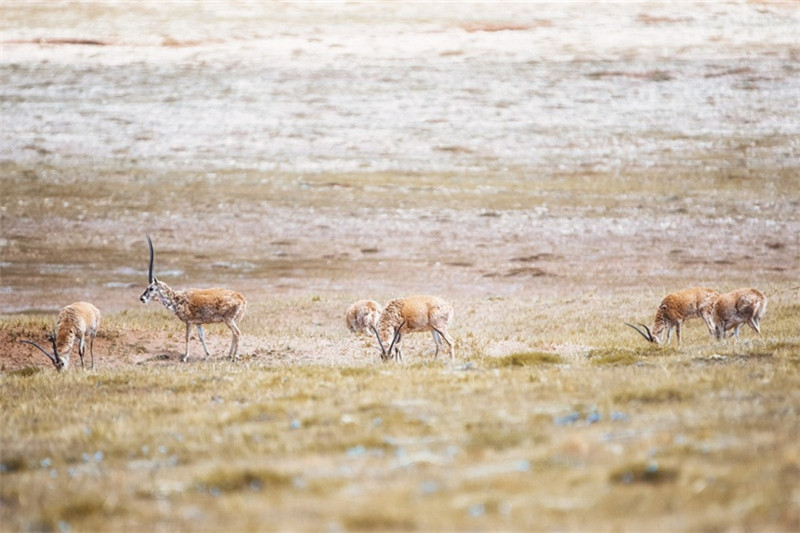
column 651, row 396
column 527, row 359
column 9, row 465
column 757, row 349
column 25, row 372
column 650, row 473
column 494, row 437
column 379, row 520
column 245, row 479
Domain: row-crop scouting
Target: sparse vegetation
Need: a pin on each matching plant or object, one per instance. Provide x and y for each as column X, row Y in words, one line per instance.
column 528, row 359
column 614, row 356
column 669, row 394
column 463, row 439
column 650, row 472
column 229, row 480
column 549, row 201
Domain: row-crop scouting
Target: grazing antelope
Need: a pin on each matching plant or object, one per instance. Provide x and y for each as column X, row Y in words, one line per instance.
column 75, row 320
column 363, row 315
column 197, row 307
column 674, row 309
column 413, row 314
column 734, row 309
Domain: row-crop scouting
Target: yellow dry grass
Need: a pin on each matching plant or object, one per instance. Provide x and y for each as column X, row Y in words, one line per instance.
column 621, row 435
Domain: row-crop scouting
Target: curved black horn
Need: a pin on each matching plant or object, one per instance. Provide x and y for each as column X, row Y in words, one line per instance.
column 52, row 358
column 383, row 349
column 652, row 339
column 52, row 339
column 396, row 337
column 648, row 336
column 152, row 255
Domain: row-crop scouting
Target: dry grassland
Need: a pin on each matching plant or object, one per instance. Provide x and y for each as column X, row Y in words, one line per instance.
column 549, row 181
column 553, row 416
column 622, row 436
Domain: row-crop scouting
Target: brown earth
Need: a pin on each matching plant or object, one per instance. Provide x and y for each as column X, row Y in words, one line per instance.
column 306, row 265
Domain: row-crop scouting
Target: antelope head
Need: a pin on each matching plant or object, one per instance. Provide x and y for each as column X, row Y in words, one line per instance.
column 649, row 336
column 384, row 353
column 153, row 285
column 59, row 362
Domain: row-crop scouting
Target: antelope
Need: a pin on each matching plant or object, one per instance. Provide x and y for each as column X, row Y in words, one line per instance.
column 195, row 307
column 75, row 320
column 734, row 309
column 410, row 315
column 674, row 309
column 363, row 315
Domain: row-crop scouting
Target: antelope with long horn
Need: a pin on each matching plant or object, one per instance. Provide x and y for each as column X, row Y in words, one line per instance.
column 414, row 314
column 76, row 320
column 734, row 309
column 674, row 309
column 195, row 307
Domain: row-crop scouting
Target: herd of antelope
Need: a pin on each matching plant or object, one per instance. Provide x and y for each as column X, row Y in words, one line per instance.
column 720, row 312
column 195, row 307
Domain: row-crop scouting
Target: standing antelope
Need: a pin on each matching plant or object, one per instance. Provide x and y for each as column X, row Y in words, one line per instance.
column 734, row 309
column 198, row 307
column 363, row 315
column 75, row 320
column 674, row 309
column 413, row 314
